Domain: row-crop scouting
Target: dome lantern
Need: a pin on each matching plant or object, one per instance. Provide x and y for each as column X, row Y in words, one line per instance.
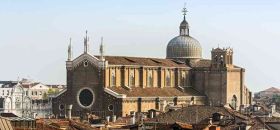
column 184, row 26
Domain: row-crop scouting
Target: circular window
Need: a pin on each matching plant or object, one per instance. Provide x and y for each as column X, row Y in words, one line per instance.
column 85, row 63
column 110, row 107
column 61, row 107
column 86, row 97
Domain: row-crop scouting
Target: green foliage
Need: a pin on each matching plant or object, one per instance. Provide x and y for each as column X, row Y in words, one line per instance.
column 51, row 91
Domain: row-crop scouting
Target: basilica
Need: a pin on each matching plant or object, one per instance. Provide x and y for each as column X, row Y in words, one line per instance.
column 121, row 85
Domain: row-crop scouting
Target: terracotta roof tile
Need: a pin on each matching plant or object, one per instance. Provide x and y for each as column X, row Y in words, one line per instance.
column 193, row 114
column 204, row 63
column 155, row 92
column 184, row 125
column 124, row 60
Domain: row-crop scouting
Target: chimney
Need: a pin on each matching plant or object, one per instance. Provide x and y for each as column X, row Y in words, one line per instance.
column 69, row 111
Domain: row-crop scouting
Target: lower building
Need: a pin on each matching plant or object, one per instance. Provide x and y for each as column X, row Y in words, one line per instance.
column 24, row 98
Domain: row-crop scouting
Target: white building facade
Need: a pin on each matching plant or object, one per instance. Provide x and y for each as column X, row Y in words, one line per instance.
column 25, row 98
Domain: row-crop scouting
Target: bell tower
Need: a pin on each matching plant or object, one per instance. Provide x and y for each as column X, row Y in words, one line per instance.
column 222, row 58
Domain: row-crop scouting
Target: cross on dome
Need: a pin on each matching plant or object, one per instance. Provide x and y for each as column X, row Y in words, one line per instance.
column 184, row 10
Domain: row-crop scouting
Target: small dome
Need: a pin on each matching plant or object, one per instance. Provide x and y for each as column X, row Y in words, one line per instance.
column 184, row 47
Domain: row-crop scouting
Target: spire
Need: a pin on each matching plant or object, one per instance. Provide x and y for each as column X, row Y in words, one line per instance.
column 86, row 46
column 101, row 50
column 184, row 26
column 70, row 50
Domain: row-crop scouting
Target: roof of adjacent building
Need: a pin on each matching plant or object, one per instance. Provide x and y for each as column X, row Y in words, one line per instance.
column 8, row 115
column 29, row 85
column 155, row 91
column 56, row 86
column 196, row 114
column 5, row 124
column 183, row 125
column 124, row 60
column 8, row 84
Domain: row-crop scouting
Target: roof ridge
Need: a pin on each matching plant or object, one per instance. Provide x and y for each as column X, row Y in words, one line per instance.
column 133, row 57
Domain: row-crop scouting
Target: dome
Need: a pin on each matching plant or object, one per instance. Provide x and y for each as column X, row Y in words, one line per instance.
column 184, row 47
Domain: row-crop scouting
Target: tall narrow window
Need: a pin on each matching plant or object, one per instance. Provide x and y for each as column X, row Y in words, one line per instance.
column 183, row 79
column 222, row 59
column 113, row 78
column 131, row 79
column 167, row 78
column 234, row 102
column 150, row 79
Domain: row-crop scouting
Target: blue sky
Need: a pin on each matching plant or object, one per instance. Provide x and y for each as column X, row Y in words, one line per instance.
column 34, row 34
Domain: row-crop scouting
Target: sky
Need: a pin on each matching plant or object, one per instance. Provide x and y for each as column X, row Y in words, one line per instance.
column 34, row 34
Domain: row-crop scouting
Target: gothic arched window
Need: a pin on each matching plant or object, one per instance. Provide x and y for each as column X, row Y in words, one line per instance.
column 131, row 79
column 113, row 78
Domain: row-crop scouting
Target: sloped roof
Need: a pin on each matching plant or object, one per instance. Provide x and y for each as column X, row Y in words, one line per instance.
column 125, row 60
column 55, row 85
column 184, row 125
column 5, row 124
column 204, row 63
column 155, row 92
column 194, row 114
column 8, row 84
column 8, row 115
